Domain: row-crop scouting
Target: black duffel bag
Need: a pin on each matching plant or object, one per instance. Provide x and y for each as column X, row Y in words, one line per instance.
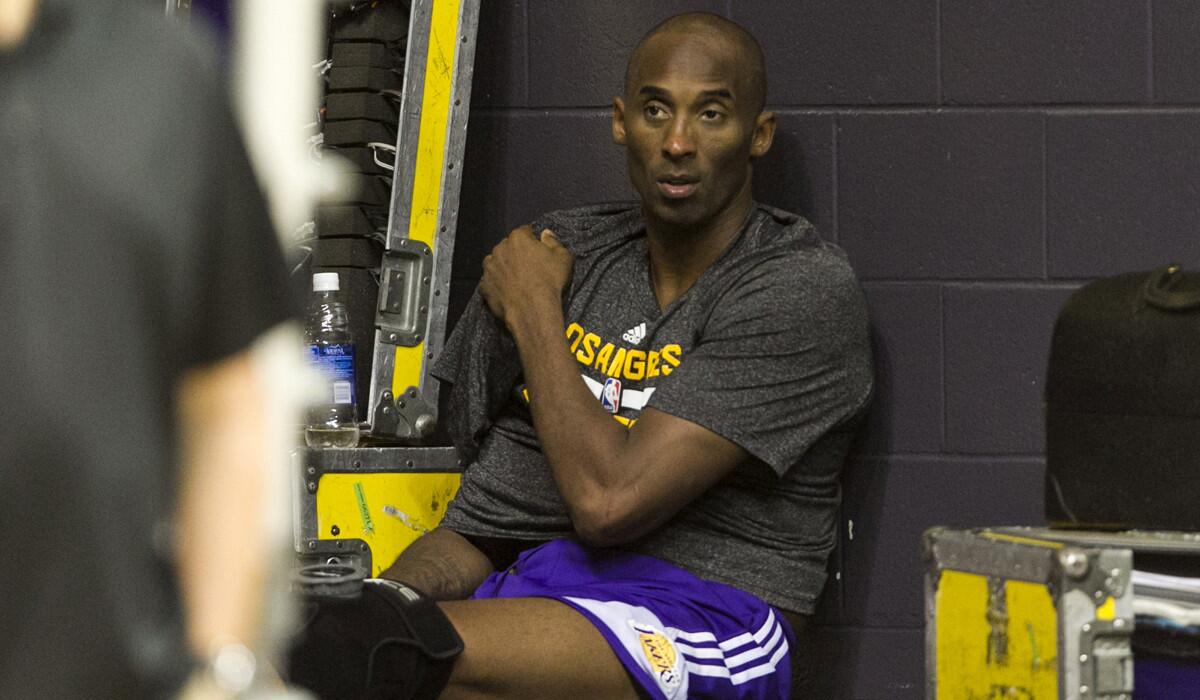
column 1123, row 404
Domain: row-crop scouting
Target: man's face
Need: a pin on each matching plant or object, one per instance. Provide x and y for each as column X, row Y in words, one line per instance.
column 690, row 128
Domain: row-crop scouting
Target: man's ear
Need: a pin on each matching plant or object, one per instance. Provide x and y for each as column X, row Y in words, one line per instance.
column 618, row 121
column 764, row 134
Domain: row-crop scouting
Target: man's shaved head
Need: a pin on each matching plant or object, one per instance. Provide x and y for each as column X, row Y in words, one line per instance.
column 747, row 50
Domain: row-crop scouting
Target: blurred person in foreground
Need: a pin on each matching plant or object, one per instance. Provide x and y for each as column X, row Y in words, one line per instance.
column 140, row 285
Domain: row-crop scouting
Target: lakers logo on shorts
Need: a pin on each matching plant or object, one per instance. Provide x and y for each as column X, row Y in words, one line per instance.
column 660, row 655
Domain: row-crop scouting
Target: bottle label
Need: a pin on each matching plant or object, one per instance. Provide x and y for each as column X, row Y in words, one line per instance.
column 335, row 362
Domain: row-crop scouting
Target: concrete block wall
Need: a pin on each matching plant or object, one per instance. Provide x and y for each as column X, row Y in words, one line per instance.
column 977, row 159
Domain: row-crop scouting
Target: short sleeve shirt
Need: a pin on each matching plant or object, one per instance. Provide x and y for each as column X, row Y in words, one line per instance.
column 769, row 349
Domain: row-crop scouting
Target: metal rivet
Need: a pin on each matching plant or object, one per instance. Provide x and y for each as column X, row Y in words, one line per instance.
column 437, row 292
column 412, row 393
column 387, row 409
column 1083, row 689
column 1087, row 627
column 312, row 487
column 1118, row 623
column 408, row 462
column 358, row 464
column 312, row 470
column 443, row 229
column 392, row 336
column 1083, row 658
column 312, row 544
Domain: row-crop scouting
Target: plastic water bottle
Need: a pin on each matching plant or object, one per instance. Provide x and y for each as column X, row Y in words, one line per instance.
column 333, row 422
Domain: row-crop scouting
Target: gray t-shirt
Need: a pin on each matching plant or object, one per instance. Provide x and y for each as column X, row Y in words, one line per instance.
column 769, row 349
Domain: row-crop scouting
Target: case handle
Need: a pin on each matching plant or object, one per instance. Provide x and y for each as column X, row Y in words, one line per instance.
column 1158, row 291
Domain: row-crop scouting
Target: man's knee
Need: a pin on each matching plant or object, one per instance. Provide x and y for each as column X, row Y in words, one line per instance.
column 390, row 642
column 443, row 564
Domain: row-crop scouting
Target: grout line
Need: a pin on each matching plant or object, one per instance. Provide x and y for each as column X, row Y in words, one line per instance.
column 937, row 48
column 942, row 368
column 1030, row 458
column 1045, row 201
column 528, row 58
column 1150, row 50
column 835, row 234
column 851, row 110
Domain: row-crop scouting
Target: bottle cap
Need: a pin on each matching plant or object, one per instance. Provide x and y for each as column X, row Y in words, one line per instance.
column 325, row 282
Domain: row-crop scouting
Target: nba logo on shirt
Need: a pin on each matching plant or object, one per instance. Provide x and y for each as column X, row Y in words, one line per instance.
column 610, row 397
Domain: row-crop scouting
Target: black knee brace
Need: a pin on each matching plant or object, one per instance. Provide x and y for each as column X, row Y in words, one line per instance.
column 391, row 642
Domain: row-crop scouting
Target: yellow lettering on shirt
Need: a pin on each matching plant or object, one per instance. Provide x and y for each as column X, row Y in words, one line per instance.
column 587, row 351
column 625, row 363
column 574, row 335
column 670, row 357
column 603, row 357
column 635, row 365
column 617, row 364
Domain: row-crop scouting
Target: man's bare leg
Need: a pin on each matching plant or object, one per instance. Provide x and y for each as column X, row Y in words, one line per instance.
column 523, row 648
column 442, row 565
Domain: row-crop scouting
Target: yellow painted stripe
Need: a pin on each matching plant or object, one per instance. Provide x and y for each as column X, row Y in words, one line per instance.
column 1049, row 544
column 435, row 118
column 430, row 160
column 1107, row 610
column 407, row 369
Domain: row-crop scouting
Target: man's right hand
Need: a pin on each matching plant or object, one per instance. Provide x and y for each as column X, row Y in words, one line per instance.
column 442, row 564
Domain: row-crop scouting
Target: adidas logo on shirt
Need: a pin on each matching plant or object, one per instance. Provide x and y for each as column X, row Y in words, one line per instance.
column 635, row 335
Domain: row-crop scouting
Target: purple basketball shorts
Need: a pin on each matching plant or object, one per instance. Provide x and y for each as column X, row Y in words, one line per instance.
column 678, row 635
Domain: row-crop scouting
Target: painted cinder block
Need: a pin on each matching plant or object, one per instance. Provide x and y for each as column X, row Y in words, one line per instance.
column 997, row 343
column 1035, row 52
column 929, row 195
column 1123, row 192
column 500, row 59
column 846, row 52
column 1176, row 51
column 866, row 663
column 889, row 502
column 519, row 165
column 906, row 413
column 797, row 173
column 578, row 50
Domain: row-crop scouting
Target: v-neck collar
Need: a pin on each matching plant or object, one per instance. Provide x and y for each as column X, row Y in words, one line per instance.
column 654, row 311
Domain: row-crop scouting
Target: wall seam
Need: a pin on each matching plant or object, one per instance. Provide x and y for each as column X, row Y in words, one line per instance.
column 937, row 48
column 942, row 368
column 835, row 221
column 1150, row 50
column 528, row 58
column 1045, row 200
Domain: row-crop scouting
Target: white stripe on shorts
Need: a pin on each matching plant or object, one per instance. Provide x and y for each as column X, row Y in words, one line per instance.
column 776, row 647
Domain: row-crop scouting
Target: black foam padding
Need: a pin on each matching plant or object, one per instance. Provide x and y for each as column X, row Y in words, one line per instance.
column 363, row 78
column 365, row 53
column 347, row 252
column 358, row 132
column 361, row 105
column 362, row 159
column 371, row 190
column 392, row 642
column 349, row 220
column 385, row 21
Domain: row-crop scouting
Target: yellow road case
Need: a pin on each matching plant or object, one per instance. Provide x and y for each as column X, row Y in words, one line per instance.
column 1027, row 614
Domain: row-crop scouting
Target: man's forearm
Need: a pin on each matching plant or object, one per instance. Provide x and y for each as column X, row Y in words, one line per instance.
column 582, row 443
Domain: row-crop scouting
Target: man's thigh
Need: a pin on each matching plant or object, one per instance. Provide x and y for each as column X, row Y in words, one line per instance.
column 532, row 648
column 441, row 564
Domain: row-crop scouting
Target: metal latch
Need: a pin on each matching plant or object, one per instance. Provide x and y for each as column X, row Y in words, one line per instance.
column 404, row 284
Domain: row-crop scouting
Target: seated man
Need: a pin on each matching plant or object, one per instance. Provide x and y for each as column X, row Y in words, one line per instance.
column 670, row 552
